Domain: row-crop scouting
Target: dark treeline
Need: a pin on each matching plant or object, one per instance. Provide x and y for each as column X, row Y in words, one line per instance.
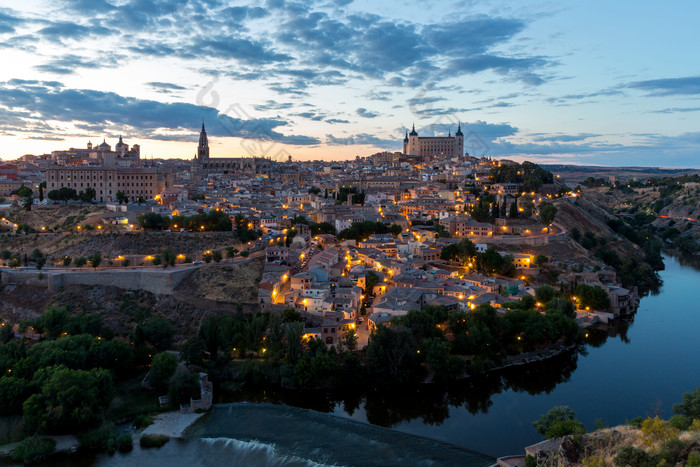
column 273, row 349
column 489, row 262
column 359, row 231
column 530, row 175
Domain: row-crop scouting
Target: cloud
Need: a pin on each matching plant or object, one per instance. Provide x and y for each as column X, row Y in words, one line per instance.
column 672, row 110
column 362, row 139
column 69, row 64
column 374, row 95
column 565, row 99
column 145, row 118
column 273, row 105
column 521, row 68
column 472, row 35
column 68, row 30
column 689, row 85
column 565, row 138
column 165, row 88
column 88, row 6
column 242, row 49
column 8, row 21
column 362, row 112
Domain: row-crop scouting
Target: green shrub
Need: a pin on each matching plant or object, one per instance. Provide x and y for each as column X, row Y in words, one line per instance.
column 680, row 422
column 635, row 422
column 530, row 461
column 34, row 449
column 99, row 439
column 125, row 443
column 693, row 459
column 670, row 451
column 153, row 441
column 634, row 457
column 142, row 421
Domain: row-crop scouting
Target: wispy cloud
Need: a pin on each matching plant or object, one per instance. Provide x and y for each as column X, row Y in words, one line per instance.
column 689, row 85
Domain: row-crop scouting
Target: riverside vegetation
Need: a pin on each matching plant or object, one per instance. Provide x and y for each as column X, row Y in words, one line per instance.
column 81, row 379
column 641, row 443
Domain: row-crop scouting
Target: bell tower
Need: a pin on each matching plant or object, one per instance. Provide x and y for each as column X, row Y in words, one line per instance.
column 203, row 148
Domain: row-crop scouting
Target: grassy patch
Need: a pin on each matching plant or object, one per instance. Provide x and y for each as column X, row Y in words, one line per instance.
column 153, row 441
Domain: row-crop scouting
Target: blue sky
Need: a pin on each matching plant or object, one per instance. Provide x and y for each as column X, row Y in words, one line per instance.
column 596, row 82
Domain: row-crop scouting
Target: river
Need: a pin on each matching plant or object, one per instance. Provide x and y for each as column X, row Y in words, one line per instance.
column 641, row 367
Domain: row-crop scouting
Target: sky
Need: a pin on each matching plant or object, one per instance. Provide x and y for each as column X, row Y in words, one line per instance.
column 588, row 83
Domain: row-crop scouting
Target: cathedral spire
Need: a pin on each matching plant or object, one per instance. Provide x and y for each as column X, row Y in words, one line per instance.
column 203, row 148
column 459, row 130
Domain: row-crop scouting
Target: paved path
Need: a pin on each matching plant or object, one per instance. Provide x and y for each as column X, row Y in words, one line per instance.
column 171, row 424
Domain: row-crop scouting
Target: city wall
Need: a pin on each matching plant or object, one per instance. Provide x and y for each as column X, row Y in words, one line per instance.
column 157, row 281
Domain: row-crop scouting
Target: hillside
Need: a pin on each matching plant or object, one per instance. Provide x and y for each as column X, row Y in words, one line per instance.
column 209, row 290
column 601, row 447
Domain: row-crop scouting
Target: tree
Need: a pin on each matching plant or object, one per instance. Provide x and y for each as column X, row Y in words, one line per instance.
column 464, row 252
column 544, row 293
column 541, row 260
column 593, row 297
column 6, row 334
column 293, row 340
column 23, row 192
column 231, row 251
column 168, row 257
column 122, row 198
column 350, row 339
column 290, row 315
column 28, row 202
column 576, row 234
column 67, row 260
column 53, row 321
column 64, row 194
column 391, row 355
column 95, row 259
column 690, row 407
column 68, row 400
column 371, row 280
column 245, row 253
column 216, row 255
column 558, row 421
column 513, row 212
column 157, row 330
column 157, row 260
column 438, row 358
column 193, row 350
column 183, row 386
column 34, row 449
column 163, row 366
column 547, row 212
column 88, row 195
column 207, row 257
column 42, row 187
column 79, row 262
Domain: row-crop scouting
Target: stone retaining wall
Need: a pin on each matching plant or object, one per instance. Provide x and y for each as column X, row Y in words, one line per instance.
column 157, row 281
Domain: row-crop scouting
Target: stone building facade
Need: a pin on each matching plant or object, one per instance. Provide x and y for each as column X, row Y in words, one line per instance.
column 146, row 182
column 434, row 147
